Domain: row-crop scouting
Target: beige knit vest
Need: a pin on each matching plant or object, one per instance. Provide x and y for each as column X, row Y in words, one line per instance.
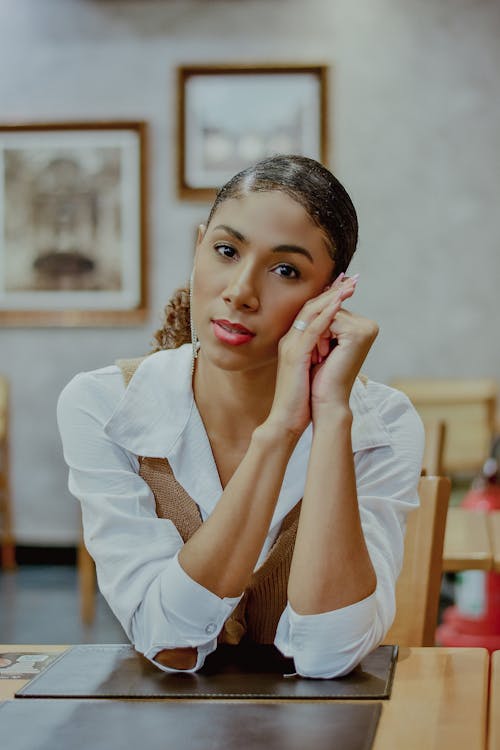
column 264, row 599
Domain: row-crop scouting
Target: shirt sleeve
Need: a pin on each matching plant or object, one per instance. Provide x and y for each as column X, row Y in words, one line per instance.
column 331, row 644
column 135, row 552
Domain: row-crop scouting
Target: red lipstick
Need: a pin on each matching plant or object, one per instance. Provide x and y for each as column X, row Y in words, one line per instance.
column 231, row 333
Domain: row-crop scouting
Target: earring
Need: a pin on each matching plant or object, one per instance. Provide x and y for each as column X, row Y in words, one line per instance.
column 194, row 338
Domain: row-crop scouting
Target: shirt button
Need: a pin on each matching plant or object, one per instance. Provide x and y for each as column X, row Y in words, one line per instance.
column 299, row 644
column 211, row 628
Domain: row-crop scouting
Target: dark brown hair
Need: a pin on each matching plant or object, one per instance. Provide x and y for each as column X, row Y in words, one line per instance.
column 306, row 181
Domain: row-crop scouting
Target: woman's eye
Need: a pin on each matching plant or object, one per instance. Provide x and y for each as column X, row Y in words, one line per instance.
column 288, row 272
column 225, row 250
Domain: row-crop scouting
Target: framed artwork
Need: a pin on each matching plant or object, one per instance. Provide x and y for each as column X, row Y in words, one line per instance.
column 232, row 116
column 73, row 230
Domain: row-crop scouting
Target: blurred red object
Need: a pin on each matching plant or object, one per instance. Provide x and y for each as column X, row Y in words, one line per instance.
column 475, row 618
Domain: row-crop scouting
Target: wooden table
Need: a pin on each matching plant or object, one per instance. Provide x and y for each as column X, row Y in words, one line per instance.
column 439, row 699
column 467, row 541
column 494, row 707
column 9, row 687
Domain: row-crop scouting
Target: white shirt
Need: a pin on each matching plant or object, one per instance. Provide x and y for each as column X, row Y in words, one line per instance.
column 105, row 427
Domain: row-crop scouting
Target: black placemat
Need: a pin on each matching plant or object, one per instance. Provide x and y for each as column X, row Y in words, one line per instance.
column 118, row 671
column 158, row 725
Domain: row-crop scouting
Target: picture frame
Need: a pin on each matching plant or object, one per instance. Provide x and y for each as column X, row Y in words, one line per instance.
column 73, row 227
column 229, row 116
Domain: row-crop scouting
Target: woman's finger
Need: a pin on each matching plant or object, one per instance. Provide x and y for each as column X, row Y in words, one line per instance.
column 318, row 328
column 324, row 345
column 343, row 279
column 342, row 285
column 318, row 305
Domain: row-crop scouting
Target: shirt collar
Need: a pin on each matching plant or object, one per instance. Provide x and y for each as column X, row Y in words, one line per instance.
column 156, row 405
column 157, row 417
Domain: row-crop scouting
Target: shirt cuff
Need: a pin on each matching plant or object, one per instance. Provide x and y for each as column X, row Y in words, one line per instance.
column 327, row 644
column 203, row 652
column 199, row 613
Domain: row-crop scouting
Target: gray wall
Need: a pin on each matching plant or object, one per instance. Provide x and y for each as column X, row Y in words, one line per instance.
column 415, row 113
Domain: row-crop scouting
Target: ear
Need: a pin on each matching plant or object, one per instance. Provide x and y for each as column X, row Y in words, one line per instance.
column 200, row 234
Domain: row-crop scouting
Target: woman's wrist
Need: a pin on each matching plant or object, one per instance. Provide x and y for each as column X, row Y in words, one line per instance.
column 333, row 416
column 272, row 433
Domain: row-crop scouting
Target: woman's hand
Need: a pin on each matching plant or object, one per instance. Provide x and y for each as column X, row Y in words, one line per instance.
column 298, row 356
column 335, row 369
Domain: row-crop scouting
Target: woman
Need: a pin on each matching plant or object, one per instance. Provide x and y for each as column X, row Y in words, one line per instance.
column 249, row 484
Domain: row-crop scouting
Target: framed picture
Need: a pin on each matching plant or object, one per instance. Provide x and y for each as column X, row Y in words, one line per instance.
column 73, row 230
column 232, row 116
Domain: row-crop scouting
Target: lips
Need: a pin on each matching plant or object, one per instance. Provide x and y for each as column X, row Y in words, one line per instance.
column 232, row 334
column 233, row 327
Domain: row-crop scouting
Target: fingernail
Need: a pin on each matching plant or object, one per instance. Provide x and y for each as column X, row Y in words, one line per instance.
column 339, row 277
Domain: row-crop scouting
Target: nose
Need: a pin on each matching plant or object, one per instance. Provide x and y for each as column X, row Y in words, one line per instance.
column 241, row 290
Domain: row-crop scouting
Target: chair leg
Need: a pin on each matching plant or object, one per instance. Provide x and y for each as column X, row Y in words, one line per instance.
column 8, row 556
column 7, row 541
column 7, row 537
column 87, row 585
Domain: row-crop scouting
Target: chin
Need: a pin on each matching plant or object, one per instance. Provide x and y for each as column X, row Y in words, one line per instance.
column 235, row 358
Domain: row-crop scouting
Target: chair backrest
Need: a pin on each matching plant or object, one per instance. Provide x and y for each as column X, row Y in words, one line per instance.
column 4, row 404
column 435, row 438
column 4, row 444
column 419, row 584
column 467, row 406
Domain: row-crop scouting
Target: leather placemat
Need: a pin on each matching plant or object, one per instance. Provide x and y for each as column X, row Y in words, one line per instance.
column 157, row 725
column 118, row 671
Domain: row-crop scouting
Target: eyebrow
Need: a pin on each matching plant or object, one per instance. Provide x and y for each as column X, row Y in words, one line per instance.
column 278, row 249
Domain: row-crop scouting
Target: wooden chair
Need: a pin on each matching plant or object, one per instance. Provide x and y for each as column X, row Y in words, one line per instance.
column 433, row 461
column 8, row 558
column 418, row 586
column 467, row 406
column 86, row 583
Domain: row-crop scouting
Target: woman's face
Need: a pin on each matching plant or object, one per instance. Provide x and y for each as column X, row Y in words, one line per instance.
column 256, row 264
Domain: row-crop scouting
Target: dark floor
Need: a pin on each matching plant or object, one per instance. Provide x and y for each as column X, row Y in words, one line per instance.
column 39, row 604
